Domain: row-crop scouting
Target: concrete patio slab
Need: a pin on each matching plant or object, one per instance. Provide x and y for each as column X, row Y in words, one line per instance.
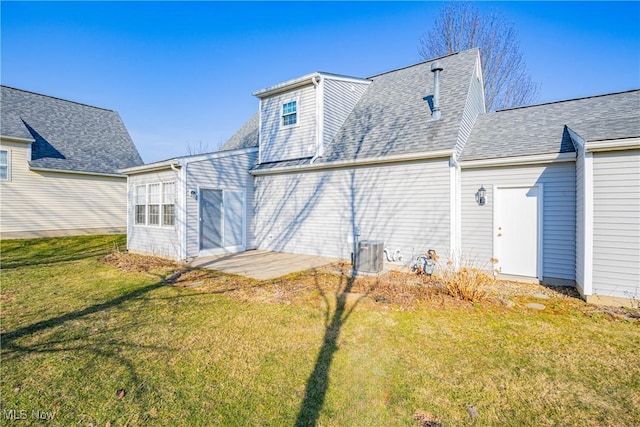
column 262, row 265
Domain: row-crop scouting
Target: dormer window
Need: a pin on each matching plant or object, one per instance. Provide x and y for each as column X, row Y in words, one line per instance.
column 289, row 113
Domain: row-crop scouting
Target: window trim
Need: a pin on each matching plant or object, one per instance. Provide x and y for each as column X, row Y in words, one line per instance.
column 136, row 215
column 147, row 205
column 163, row 204
column 296, row 113
column 156, row 204
column 8, row 165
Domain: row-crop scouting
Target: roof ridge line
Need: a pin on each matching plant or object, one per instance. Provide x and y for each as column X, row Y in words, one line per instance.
column 421, row 62
column 58, row 98
column 567, row 100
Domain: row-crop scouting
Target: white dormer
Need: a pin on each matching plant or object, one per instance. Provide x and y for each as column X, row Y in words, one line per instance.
column 299, row 117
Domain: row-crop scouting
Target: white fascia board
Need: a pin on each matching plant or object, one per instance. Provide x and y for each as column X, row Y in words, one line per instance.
column 519, row 160
column 303, row 81
column 153, row 167
column 181, row 161
column 479, row 76
column 216, row 155
column 342, row 78
column 40, row 169
column 285, row 86
column 613, row 144
column 357, row 162
column 17, row 139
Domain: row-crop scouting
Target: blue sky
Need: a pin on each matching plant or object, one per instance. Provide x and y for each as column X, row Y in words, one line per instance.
column 181, row 74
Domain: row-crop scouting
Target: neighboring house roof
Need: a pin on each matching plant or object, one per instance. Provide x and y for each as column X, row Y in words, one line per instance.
column 68, row 136
column 540, row 129
column 393, row 117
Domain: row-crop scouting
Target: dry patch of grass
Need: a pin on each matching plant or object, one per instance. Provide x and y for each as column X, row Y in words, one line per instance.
column 129, row 263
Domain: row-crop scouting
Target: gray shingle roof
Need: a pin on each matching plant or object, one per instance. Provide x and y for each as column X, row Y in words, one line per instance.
column 393, row 116
column 245, row 137
column 540, row 129
column 68, row 136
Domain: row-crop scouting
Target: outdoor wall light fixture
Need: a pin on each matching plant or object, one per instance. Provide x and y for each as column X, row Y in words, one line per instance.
column 481, row 196
column 193, row 194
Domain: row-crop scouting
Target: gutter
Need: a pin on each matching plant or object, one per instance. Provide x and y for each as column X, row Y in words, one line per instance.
column 356, row 162
column 17, row 139
column 519, row 160
column 286, row 86
column 143, row 169
column 613, row 144
column 181, row 161
column 113, row 175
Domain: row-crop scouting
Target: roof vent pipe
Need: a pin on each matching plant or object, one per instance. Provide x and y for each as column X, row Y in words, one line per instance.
column 435, row 69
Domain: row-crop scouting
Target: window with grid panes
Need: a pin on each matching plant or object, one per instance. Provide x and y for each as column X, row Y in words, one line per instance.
column 168, row 203
column 290, row 113
column 141, row 204
column 154, row 204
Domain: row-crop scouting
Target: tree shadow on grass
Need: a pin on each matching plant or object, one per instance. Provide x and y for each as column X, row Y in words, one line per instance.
column 105, row 344
column 7, row 339
column 318, row 381
column 45, row 251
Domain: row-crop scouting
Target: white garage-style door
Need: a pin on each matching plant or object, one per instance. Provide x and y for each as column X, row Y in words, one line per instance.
column 222, row 221
column 517, row 231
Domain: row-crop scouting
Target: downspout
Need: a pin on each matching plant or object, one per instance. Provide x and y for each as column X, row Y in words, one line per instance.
column 455, row 216
column 182, row 233
column 316, row 83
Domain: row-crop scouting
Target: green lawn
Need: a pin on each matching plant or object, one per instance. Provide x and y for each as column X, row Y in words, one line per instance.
column 135, row 341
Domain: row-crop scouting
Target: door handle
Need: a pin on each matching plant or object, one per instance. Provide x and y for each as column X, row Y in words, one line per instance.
column 499, row 231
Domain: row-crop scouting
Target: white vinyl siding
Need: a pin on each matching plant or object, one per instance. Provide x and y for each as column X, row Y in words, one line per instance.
column 340, row 97
column 559, row 214
column 37, row 203
column 278, row 142
column 616, row 224
column 406, row 205
column 228, row 172
column 154, row 240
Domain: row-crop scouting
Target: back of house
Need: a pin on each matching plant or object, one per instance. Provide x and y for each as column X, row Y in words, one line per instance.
column 410, row 158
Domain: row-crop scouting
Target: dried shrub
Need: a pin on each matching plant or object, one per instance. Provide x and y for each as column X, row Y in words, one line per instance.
column 467, row 284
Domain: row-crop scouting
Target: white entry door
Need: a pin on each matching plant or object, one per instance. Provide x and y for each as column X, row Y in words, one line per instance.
column 221, row 221
column 516, row 233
